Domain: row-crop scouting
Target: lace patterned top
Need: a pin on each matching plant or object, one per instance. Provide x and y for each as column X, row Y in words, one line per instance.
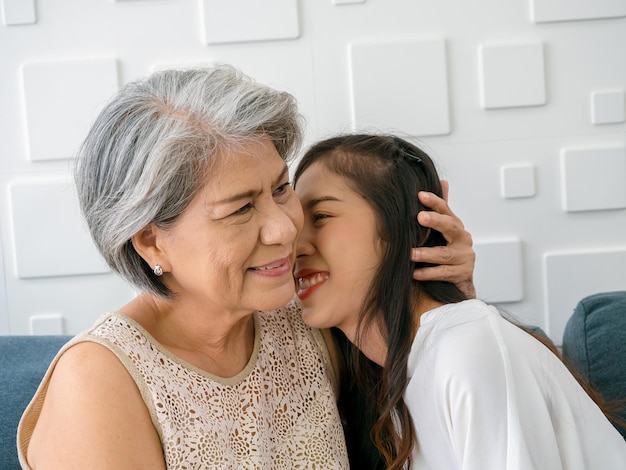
column 279, row 412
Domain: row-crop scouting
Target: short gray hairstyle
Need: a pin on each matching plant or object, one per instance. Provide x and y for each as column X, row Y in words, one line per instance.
column 153, row 145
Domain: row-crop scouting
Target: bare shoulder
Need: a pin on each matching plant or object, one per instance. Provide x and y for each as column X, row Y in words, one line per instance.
column 93, row 416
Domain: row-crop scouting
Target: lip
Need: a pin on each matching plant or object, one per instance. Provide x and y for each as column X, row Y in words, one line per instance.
column 307, row 292
column 305, row 272
column 276, row 268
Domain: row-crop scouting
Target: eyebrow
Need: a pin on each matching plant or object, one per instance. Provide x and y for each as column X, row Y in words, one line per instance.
column 250, row 193
column 311, row 203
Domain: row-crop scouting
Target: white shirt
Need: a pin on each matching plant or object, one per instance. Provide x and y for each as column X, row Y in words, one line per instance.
column 485, row 395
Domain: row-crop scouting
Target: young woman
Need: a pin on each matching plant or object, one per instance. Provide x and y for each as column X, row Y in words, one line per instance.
column 440, row 382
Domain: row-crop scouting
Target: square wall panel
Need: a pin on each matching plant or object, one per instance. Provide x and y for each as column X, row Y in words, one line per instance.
column 49, row 235
column 512, row 75
column 498, row 272
column 593, row 178
column 411, row 98
column 607, row 107
column 568, row 277
column 249, row 20
column 62, row 99
column 15, row 12
column 568, row 10
column 518, row 181
column 47, row 324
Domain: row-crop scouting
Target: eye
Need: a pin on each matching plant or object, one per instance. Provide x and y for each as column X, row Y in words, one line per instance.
column 318, row 216
column 282, row 190
column 244, row 209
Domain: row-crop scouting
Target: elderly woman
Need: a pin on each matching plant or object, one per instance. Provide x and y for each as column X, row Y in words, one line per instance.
column 184, row 184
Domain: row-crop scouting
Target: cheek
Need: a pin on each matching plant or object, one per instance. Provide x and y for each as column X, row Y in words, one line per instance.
column 225, row 255
column 223, row 268
column 293, row 209
column 361, row 260
column 365, row 247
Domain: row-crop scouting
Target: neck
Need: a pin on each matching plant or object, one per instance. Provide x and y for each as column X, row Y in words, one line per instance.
column 218, row 343
column 372, row 342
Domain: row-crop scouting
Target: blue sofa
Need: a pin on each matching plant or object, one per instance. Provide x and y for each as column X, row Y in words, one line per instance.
column 23, row 362
column 594, row 342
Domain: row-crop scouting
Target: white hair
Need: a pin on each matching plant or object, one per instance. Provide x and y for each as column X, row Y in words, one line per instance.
column 152, row 147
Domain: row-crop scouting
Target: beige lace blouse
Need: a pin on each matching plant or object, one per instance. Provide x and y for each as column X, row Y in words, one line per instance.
column 279, row 412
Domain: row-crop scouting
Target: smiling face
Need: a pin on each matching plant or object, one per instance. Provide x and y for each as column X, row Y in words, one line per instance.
column 338, row 250
column 233, row 247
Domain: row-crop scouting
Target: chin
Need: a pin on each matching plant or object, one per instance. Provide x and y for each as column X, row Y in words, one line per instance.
column 313, row 319
column 278, row 298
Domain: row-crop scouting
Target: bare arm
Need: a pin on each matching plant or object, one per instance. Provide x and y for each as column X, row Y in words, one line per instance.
column 93, row 417
column 455, row 261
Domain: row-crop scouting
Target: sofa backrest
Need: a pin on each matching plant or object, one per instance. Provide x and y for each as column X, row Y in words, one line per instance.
column 594, row 343
column 23, row 363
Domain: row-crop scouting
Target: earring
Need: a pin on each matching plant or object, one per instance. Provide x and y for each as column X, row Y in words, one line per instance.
column 158, row 271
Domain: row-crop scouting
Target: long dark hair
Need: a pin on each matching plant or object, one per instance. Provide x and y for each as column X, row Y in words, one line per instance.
column 388, row 172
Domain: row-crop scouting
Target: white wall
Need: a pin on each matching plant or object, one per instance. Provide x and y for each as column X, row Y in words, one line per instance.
column 521, row 102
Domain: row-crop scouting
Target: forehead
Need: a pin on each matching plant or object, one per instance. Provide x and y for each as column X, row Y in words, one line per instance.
column 318, row 177
column 249, row 162
column 318, row 183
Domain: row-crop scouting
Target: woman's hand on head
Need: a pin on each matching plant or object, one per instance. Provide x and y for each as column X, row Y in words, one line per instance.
column 455, row 261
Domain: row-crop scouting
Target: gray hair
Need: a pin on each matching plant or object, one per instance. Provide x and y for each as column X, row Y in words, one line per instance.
column 153, row 145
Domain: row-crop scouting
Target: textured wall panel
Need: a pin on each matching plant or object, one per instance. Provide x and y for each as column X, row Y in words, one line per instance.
column 499, row 274
column 607, row 107
column 478, row 151
column 62, row 99
column 401, row 85
column 47, row 324
column 249, row 20
column 15, row 12
column 512, row 75
column 569, row 277
column 49, row 236
column 517, row 181
column 593, row 178
column 567, row 10
column 72, row 303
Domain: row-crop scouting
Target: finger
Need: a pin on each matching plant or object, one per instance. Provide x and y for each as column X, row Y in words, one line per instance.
column 461, row 254
column 450, row 264
column 450, row 226
column 433, row 273
column 444, row 272
column 450, row 274
column 434, row 202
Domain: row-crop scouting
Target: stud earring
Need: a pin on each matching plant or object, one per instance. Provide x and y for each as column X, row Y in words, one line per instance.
column 158, row 271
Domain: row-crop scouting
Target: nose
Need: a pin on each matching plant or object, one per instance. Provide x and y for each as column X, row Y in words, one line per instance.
column 304, row 245
column 279, row 228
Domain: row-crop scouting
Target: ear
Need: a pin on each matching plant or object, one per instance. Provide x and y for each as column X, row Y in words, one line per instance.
column 147, row 244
